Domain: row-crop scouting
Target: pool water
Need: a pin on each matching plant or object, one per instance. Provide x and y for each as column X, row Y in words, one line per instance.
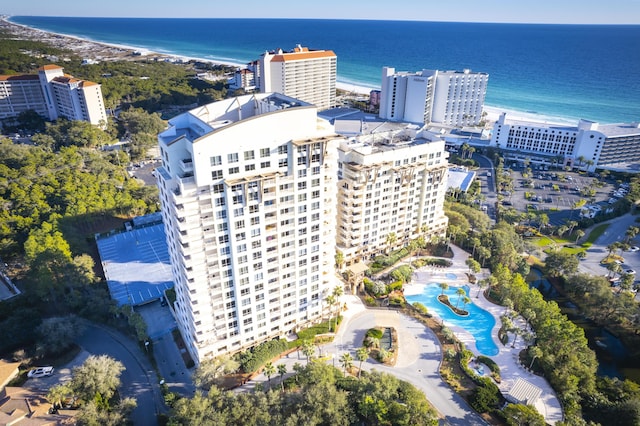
column 478, row 323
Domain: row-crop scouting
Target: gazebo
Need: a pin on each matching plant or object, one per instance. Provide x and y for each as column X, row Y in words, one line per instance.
column 523, row 392
column 355, row 273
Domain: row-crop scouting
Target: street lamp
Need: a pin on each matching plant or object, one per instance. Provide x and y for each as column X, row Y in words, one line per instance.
column 146, row 345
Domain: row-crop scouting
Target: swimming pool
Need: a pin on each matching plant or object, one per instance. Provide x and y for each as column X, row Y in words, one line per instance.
column 479, row 322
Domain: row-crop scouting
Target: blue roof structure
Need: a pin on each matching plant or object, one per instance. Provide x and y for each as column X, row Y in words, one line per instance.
column 136, row 264
column 459, row 178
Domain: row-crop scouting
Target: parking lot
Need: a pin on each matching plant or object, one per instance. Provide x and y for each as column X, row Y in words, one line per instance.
column 554, row 192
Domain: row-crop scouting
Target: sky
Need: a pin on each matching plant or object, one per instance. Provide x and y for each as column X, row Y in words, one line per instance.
column 517, row 11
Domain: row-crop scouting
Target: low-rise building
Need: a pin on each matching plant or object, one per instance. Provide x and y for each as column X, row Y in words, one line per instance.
column 587, row 146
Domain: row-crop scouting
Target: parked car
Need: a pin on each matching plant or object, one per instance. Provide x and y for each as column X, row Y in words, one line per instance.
column 40, row 372
column 634, row 248
column 629, row 271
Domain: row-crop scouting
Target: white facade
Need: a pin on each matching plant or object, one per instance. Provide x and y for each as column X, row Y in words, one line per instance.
column 393, row 183
column 308, row 75
column 588, row 145
column 52, row 94
column 248, row 195
column 451, row 98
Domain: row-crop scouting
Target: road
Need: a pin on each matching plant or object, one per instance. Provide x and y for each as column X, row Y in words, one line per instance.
column 138, row 380
column 488, row 187
column 418, row 361
column 615, row 232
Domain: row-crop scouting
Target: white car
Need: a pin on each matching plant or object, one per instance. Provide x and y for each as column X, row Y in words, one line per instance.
column 629, row 271
column 634, row 248
column 40, row 372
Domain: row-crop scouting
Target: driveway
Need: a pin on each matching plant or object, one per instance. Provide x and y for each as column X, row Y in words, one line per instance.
column 418, row 361
column 138, row 379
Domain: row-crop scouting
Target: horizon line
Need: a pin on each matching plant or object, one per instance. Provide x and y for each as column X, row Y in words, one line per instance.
column 8, row 16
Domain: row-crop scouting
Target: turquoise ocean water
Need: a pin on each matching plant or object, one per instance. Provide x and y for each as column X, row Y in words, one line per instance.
column 567, row 71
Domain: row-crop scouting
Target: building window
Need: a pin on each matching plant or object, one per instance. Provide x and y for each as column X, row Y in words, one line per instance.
column 232, row 158
column 234, row 170
column 249, row 155
column 264, row 152
column 216, row 160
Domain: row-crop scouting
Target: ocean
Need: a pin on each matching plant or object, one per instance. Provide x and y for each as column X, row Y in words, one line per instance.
column 564, row 71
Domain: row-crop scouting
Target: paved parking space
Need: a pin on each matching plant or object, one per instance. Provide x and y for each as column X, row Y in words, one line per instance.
column 554, row 192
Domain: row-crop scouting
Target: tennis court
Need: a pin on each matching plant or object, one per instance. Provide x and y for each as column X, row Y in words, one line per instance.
column 136, row 264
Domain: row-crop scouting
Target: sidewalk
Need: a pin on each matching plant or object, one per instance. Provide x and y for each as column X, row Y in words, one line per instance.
column 510, row 368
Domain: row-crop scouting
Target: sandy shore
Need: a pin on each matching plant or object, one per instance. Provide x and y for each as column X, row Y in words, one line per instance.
column 97, row 51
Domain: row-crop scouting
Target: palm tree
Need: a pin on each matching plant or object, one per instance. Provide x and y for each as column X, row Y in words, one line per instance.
column 579, row 234
column 308, row 350
column 465, row 301
column 347, row 361
column 362, row 354
column 482, row 284
column 543, row 220
column 297, row 368
column 443, row 286
column 631, row 233
column 337, row 292
column 282, row 370
column 534, row 352
column 331, row 300
column 269, row 370
column 391, row 240
column 57, row 394
column 460, row 292
column 339, row 259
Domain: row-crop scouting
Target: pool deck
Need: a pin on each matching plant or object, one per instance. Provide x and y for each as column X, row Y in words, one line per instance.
column 510, row 368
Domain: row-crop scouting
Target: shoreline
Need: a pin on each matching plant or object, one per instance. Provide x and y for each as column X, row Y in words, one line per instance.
column 102, row 51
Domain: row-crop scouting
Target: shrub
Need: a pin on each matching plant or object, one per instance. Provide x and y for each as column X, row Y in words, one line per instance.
column 438, row 262
column 420, row 308
column 370, row 301
column 375, row 332
column 397, row 285
column 485, row 398
column 379, row 288
column 397, row 301
column 254, row 358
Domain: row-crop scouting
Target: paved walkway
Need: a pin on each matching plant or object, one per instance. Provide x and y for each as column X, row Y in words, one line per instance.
column 420, row 352
column 510, row 368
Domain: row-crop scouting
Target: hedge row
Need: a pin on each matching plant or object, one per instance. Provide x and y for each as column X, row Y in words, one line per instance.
column 255, row 358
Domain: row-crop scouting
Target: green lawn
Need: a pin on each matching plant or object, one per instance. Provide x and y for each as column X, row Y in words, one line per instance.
column 546, row 243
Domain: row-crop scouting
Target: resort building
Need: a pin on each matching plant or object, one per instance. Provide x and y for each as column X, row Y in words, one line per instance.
column 52, row 94
column 245, row 78
column 450, row 98
column 308, row 75
column 588, row 146
column 391, row 190
column 248, row 194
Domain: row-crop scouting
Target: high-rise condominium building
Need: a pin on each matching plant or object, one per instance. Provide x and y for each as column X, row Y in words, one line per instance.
column 308, row 75
column 451, row 98
column 52, row 94
column 391, row 190
column 248, row 194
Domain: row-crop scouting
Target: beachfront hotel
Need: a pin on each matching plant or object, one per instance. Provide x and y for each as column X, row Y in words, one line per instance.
column 391, row 190
column 449, row 98
column 248, row 195
column 308, row 75
column 588, row 146
column 52, row 94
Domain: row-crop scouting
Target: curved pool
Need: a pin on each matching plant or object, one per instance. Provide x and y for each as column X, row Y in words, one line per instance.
column 478, row 323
